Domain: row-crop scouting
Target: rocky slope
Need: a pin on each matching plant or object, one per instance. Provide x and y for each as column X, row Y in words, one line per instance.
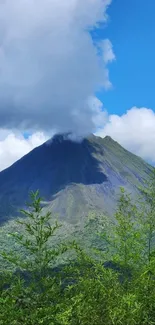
column 73, row 178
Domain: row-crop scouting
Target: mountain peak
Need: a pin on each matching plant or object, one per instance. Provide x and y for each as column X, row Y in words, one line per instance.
column 67, row 136
column 59, row 137
column 108, row 138
column 72, row 175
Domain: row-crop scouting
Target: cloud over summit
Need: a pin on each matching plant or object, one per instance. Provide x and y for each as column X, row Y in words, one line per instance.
column 49, row 64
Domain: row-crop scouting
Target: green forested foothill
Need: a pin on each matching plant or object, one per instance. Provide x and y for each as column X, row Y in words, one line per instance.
column 112, row 283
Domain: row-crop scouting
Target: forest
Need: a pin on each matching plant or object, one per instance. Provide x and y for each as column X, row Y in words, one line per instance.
column 64, row 284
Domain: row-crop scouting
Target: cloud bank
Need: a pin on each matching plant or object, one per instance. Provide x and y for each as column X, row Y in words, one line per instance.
column 13, row 146
column 50, row 66
column 134, row 130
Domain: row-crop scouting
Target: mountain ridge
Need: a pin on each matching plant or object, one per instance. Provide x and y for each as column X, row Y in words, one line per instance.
column 73, row 177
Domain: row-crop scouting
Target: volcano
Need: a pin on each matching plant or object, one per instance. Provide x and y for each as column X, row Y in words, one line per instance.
column 73, row 178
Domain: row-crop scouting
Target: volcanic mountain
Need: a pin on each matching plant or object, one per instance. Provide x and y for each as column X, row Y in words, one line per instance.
column 73, row 178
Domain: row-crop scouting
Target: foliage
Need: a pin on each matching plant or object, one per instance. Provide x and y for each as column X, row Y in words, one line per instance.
column 112, row 285
column 30, row 293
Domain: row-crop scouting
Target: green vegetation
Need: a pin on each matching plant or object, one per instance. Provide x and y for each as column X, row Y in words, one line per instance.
column 112, row 283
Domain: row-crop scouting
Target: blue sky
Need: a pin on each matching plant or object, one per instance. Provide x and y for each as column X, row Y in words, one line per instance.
column 131, row 29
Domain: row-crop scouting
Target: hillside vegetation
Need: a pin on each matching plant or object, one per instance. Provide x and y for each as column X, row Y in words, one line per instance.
column 112, row 284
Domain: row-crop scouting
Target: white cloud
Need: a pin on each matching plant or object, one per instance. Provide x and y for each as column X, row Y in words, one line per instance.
column 135, row 130
column 49, row 64
column 105, row 48
column 100, row 114
column 108, row 54
column 13, row 146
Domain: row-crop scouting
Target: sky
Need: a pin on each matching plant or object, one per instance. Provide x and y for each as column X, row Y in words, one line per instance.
column 77, row 66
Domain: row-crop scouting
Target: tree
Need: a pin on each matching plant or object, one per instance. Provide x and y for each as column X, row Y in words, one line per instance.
column 33, row 293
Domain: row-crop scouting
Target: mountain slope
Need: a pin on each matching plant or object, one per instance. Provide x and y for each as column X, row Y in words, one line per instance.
column 73, row 178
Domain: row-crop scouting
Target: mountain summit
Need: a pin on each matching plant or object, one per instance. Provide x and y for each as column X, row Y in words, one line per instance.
column 73, row 177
